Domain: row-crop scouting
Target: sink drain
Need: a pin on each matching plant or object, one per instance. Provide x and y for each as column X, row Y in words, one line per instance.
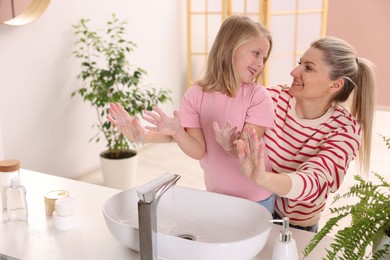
column 187, row 237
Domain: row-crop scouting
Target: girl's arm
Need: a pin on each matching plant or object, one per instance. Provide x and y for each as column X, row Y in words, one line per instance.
column 163, row 130
column 190, row 140
column 131, row 128
column 227, row 135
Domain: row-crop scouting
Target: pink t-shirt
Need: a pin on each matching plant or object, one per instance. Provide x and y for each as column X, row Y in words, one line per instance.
column 199, row 109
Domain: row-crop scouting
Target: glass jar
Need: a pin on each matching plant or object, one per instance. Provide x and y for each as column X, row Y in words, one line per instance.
column 8, row 169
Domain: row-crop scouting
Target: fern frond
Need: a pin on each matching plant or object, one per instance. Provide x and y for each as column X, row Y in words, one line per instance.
column 330, row 224
column 387, row 141
column 370, row 219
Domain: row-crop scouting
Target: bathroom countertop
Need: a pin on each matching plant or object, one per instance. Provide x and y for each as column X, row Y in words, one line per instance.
column 38, row 239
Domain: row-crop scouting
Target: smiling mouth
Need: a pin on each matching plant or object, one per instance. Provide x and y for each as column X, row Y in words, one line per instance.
column 252, row 71
column 298, row 84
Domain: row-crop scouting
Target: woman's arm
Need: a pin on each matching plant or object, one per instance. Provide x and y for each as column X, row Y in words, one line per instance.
column 251, row 156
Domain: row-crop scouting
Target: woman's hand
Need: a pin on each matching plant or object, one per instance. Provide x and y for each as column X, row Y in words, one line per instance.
column 226, row 136
column 251, row 156
column 129, row 126
column 162, row 124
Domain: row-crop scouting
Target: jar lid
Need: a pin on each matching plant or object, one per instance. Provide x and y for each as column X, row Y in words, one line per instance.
column 9, row 165
column 52, row 196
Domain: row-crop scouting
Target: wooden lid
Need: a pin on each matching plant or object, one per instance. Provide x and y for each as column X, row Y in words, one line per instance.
column 10, row 165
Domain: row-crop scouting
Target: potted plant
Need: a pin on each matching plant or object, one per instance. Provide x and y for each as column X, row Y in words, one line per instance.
column 370, row 224
column 107, row 76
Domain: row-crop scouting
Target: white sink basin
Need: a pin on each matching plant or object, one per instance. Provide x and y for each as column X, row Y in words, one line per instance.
column 193, row 224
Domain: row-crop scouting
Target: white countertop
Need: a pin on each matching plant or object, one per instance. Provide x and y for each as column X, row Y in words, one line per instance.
column 90, row 239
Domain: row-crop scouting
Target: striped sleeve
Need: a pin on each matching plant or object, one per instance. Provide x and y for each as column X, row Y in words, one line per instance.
column 315, row 154
column 323, row 173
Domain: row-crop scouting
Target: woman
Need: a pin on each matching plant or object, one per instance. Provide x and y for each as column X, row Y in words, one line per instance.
column 315, row 138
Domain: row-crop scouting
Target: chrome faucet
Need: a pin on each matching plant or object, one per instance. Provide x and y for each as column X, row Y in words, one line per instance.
column 149, row 196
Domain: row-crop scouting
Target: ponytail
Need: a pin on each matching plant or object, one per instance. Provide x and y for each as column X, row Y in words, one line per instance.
column 363, row 106
column 359, row 80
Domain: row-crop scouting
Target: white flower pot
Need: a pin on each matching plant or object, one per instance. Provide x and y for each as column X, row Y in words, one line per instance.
column 119, row 173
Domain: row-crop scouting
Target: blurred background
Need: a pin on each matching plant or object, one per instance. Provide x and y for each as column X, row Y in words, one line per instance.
column 48, row 131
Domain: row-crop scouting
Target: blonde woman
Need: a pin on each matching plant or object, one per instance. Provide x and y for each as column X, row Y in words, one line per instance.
column 315, row 138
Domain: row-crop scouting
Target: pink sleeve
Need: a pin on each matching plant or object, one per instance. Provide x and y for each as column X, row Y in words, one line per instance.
column 190, row 105
column 261, row 110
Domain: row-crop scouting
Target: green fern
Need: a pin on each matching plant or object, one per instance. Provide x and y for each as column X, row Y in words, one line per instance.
column 387, row 141
column 370, row 221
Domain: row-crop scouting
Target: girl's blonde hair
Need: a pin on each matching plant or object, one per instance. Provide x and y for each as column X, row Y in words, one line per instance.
column 359, row 80
column 221, row 74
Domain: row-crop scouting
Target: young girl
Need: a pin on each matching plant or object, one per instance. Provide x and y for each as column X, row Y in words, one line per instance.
column 227, row 96
column 315, row 138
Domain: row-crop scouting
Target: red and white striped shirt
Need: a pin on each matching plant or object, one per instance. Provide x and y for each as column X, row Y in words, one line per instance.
column 314, row 153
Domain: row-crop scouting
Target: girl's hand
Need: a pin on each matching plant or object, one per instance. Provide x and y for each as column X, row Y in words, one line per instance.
column 226, row 136
column 251, row 156
column 129, row 126
column 161, row 122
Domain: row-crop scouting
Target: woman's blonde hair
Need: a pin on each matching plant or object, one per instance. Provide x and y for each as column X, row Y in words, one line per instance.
column 221, row 74
column 359, row 80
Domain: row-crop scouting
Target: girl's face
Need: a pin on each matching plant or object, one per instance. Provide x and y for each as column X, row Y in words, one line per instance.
column 311, row 77
column 249, row 58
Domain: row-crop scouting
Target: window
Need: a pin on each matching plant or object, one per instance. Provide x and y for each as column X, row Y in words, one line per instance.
column 293, row 24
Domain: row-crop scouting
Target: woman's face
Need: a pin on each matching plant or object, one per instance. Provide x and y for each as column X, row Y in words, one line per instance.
column 311, row 77
column 249, row 58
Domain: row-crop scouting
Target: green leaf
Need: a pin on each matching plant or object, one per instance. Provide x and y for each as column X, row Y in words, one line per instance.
column 107, row 75
column 370, row 220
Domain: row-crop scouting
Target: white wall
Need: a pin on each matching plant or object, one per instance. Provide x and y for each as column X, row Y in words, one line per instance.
column 41, row 124
column 1, row 144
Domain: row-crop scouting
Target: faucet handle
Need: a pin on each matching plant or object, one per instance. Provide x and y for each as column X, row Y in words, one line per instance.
column 152, row 190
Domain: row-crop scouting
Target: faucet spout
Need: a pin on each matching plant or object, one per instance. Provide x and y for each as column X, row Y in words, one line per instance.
column 152, row 190
column 149, row 196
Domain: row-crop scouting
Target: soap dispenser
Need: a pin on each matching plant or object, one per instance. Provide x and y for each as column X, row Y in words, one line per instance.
column 285, row 247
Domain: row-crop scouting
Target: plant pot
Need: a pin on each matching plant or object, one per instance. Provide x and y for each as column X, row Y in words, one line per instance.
column 119, row 173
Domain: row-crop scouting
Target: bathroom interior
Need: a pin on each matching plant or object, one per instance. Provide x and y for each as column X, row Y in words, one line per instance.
column 48, row 131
